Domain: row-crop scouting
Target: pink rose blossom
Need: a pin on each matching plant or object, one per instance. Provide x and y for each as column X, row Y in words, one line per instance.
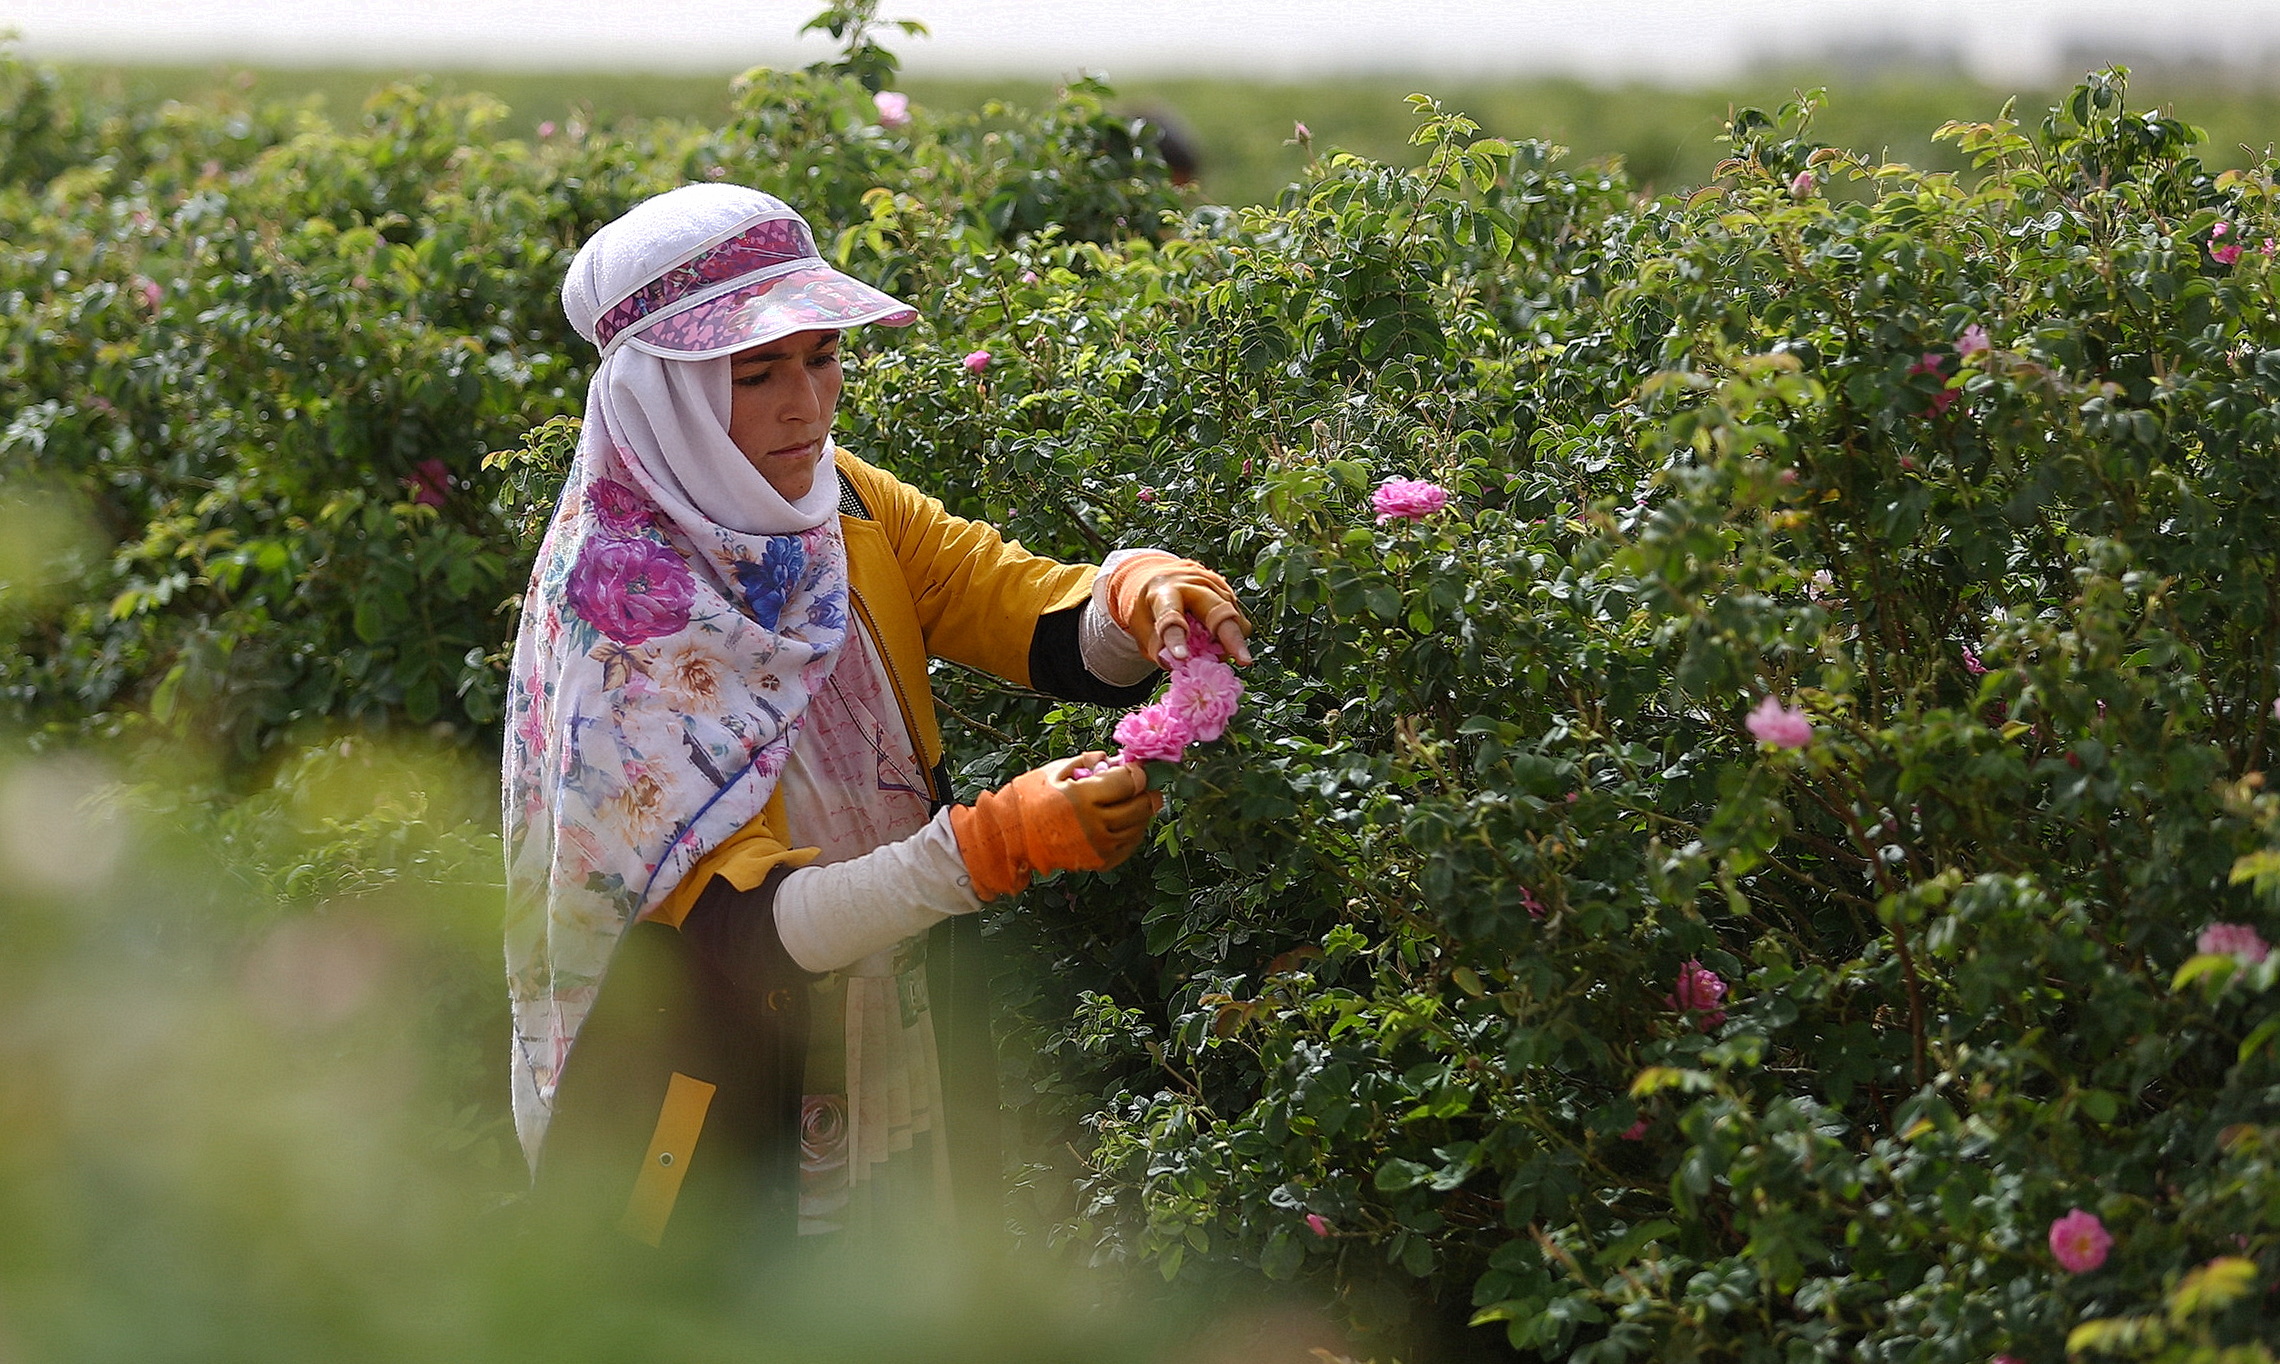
column 976, row 361
column 1029, row 277
column 1973, row 341
column 1636, row 1131
column 1776, row 724
column 1802, row 185
column 1528, row 900
column 1201, row 643
column 2225, row 255
column 2269, row 246
column 1205, row 694
column 2233, row 940
column 1314, row 1220
column 2080, row 1241
column 1699, row 991
column 546, row 129
column 2220, row 229
column 1930, row 364
column 1408, row 499
column 430, row 481
column 893, row 107
column 1300, row 133
column 1971, row 663
column 151, row 293
column 1147, row 494
column 1154, row 734
column 2004, row 1359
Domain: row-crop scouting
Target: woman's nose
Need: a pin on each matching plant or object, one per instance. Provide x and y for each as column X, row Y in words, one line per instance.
column 801, row 401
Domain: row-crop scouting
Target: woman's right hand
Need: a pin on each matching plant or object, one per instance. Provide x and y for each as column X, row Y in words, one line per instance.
column 1047, row 820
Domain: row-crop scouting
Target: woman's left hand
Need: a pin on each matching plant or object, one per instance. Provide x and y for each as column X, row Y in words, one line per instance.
column 1183, row 589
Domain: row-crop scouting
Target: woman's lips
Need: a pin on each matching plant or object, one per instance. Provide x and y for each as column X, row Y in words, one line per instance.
column 810, row 447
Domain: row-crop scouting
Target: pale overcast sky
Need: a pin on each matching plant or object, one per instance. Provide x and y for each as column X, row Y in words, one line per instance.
column 1658, row 39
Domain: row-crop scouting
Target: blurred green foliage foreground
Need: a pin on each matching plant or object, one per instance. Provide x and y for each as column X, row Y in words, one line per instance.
column 1788, row 835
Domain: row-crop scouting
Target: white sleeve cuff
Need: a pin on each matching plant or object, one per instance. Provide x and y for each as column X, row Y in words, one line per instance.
column 1108, row 652
column 832, row 917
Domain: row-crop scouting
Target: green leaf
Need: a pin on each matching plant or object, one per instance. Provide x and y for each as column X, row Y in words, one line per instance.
column 2257, row 1039
column 1655, row 1079
column 2212, row 1288
column 1283, row 1255
column 1398, row 1174
column 1626, row 1247
column 2214, row 967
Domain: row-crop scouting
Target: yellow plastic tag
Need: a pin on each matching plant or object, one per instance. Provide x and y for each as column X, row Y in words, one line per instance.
column 658, row 1185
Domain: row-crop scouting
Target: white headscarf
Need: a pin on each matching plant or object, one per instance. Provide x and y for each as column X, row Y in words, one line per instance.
column 681, row 612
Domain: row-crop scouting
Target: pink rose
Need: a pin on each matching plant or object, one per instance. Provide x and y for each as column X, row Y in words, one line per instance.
column 1801, row 185
column 893, row 107
column 2080, row 1241
column 1699, row 991
column 1029, row 277
column 1314, row 1221
column 430, row 481
column 2233, row 940
column 1201, row 643
column 1973, row 341
column 1528, row 900
column 546, row 129
column 2225, row 255
column 1205, row 694
column 1636, row 1131
column 976, row 361
column 152, row 295
column 1147, row 494
column 1154, row 734
column 1774, row 723
column 1408, row 499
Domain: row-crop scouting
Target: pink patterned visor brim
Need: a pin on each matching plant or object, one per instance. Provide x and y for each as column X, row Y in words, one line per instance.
column 815, row 298
column 792, row 289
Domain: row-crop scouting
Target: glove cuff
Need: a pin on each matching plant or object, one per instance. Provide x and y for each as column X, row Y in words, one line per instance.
column 994, row 854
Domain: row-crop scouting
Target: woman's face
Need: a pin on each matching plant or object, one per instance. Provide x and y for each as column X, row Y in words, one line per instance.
column 781, row 397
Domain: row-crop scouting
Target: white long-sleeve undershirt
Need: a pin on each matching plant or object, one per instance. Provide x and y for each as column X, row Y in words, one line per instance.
column 834, row 916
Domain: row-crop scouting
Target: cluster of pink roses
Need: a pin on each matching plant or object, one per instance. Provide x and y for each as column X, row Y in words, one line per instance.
column 1203, row 697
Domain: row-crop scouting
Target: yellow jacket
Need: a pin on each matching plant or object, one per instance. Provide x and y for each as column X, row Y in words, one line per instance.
column 928, row 585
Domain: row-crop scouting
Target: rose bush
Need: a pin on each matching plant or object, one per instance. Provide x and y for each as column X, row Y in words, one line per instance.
column 1723, row 879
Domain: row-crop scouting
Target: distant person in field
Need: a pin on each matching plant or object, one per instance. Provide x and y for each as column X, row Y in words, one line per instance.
column 742, row 946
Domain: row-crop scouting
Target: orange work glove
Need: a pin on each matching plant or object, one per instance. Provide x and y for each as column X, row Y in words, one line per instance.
column 1042, row 821
column 1151, row 595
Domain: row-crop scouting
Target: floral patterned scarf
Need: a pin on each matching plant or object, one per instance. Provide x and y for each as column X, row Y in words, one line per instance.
column 662, row 672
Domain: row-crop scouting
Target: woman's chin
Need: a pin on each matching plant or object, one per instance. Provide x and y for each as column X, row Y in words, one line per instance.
column 792, row 476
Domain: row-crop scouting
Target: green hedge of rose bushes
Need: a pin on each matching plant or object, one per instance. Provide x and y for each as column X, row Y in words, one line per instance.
column 1746, row 839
